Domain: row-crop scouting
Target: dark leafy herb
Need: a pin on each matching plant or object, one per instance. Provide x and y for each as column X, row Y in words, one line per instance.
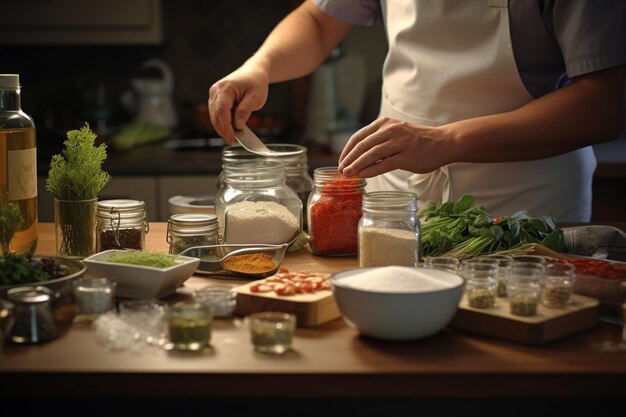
column 21, row 269
column 463, row 230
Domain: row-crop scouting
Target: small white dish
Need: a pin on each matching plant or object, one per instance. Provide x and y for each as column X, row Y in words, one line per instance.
column 136, row 281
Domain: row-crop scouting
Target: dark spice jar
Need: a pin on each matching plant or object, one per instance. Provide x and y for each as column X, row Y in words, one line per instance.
column 122, row 224
column 334, row 211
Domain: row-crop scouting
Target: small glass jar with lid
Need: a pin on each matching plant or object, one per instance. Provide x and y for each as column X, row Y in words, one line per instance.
column 481, row 283
column 296, row 166
column 389, row 230
column 185, row 230
column 334, row 212
column 256, row 205
column 121, row 224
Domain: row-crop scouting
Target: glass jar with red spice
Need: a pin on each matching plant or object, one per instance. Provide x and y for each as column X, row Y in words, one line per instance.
column 334, row 211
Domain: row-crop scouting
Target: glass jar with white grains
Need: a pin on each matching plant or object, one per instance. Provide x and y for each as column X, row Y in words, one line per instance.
column 293, row 156
column 389, row 230
column 256, row 206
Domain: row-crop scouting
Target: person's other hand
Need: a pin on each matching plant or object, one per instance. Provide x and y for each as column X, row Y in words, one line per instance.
column 388, row 144
column 233, row 99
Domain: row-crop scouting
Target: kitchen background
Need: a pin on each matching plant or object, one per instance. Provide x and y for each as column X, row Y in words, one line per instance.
column 92, row 61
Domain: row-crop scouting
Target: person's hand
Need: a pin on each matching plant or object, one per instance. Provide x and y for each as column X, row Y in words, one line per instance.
column 388, row 144
column 233, row 99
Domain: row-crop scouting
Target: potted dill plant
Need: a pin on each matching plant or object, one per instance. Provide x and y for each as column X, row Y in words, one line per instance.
column 75, row 178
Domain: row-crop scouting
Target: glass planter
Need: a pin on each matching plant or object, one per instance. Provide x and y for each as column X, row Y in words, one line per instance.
column 75, row 227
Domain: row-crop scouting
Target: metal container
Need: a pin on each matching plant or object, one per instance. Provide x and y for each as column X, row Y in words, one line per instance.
column 34, row 316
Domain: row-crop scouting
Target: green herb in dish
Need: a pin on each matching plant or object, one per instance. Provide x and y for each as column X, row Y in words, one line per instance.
column 152, row 259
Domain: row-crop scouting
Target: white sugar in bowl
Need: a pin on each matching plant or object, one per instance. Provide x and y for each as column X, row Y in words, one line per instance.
column 396, row 302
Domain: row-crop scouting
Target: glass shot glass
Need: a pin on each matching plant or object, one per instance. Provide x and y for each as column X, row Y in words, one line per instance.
column 524, row 285
column 189, row 326
column 147, row 318
column 446, row 263
column 558, row 285
column 504, row 262
column 481, row 285
column 94, row 296
column 271, row 331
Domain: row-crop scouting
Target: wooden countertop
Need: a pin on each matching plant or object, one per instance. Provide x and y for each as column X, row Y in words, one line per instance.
column 329, row 363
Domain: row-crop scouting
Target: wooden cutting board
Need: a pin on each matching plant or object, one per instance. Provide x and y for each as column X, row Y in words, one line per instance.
column 547, row 325
column 310, row 309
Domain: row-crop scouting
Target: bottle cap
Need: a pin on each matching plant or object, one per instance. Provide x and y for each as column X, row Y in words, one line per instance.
column 9, row 80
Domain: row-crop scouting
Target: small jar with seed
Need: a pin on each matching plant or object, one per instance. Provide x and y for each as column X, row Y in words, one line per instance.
column 524, row 289
column 558, row 284
column 186, row 230
column 121, row 224
column 481, row 285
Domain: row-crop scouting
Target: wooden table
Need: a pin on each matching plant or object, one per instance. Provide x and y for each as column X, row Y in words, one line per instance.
column 331, row 368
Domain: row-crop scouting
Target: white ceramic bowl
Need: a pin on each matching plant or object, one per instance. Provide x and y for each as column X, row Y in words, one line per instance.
column 135, row 281
column 398, row 314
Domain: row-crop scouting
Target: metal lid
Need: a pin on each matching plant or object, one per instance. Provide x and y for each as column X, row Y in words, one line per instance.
column 29, row 295
column 122, row 205
column 193, row 223
column 9, row 81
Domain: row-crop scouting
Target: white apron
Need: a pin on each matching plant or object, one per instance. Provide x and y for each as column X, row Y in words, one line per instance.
column 451, row 60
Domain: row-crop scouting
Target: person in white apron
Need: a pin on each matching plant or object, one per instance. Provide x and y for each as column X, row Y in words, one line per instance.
column 448, row 62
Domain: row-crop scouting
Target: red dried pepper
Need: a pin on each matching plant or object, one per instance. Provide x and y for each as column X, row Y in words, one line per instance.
column 334, row 214
column 598, row 267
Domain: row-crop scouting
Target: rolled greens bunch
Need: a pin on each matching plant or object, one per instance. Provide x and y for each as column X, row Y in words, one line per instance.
column 462, row 230
column 75, row 178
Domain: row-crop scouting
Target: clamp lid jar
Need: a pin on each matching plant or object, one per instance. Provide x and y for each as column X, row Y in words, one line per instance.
column 185, row 230
column 122, row 224
column 256, row 205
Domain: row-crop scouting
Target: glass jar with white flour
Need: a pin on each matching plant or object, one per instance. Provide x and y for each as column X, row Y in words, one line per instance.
column 256, row 205
column 389, row 230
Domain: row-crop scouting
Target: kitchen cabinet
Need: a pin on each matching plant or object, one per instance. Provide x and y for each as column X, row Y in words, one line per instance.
column 81, row 22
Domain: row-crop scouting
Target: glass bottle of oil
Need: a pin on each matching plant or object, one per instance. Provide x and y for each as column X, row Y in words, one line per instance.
column 18, row 163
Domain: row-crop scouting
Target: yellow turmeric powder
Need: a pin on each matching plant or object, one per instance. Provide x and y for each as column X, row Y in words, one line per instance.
column 250, row 263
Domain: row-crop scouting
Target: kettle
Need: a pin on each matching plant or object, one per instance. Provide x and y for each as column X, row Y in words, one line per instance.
column 155, row 102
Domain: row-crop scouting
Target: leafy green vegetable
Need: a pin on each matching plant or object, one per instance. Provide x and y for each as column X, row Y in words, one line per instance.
column 462, row 230
column 77, row 177
column 10, row 220
column 18, row 269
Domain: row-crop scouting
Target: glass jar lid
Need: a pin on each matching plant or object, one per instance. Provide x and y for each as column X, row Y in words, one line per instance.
column 29, row 295
column 121, row 207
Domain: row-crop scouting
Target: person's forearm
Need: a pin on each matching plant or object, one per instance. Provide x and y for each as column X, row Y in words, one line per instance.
column 589, row 111
column 299, row 43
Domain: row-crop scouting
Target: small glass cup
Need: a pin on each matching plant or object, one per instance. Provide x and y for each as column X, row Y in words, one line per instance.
column 558, row 285
column 94, row 296
column 504, row 262
column 147, row 317
column 446, row 263
column 189, row 326
column 524, row 289
column 272, row 331
column 481, row 281
column 220, row 298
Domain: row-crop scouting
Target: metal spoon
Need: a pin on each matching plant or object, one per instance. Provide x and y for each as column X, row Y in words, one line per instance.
column 251, row 142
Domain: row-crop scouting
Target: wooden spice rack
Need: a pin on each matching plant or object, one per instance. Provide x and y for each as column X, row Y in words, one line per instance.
column 547, row 325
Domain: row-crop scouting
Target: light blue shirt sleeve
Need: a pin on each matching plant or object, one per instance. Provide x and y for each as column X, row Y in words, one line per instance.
column 356, row 12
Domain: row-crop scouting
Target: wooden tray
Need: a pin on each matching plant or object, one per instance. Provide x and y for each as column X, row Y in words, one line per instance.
column 547, row 325
column 310, row 309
